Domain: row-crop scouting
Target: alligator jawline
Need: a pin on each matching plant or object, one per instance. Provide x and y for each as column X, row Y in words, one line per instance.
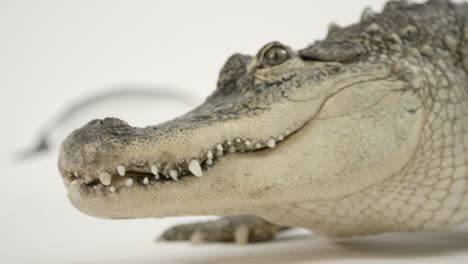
column 144, row 174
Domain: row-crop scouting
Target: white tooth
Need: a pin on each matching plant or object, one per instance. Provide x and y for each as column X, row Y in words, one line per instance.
column 121, row 170
column 74, row 182
column 280, row 137
column 174, row 174
column 194, row 167
column 129, row 182
column 209, row 154
column 105, row 178
column 231, row 149
column 145, row 180
column 209, row 162
column 154, row 170
column 219, row 147
column 271, row 143
column 76, row 174
column 247, row 142
column 287, row 132
column 238, row 140
column 112, row 189
column 229, row 142
column 219, row 153
column 88, row 179
column 258, row 145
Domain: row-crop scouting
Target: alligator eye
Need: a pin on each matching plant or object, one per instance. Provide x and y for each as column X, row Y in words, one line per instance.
column 276, row 55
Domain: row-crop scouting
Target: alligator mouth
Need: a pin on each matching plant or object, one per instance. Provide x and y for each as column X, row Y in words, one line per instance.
column 146, row 173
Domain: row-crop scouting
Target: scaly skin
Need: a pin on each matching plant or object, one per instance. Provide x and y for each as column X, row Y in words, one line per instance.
column 363, row 132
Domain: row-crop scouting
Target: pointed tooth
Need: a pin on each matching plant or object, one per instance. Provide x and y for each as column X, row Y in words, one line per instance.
column 209, row 154
column 247, row 142
column 280, row 137
column 271, row 143
column 229, row 142
column 154, row 169
column 145, row 180
column 173, row 174
column 258, row 145
column 238, row 140
column 129, row 182
column 195, row 168
column 209, row 162
column 219, row 147
column 74, row 182
column 76, row 174
column 87, row 179
column 112, row 189
column 121, row 170
column 231, row 149
column 105, row 178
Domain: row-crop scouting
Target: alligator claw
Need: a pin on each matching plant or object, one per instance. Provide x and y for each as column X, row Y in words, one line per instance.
column 241, row 230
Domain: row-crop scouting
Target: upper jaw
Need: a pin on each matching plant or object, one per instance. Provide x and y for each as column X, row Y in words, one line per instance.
column 126, row 172
column 97, row 168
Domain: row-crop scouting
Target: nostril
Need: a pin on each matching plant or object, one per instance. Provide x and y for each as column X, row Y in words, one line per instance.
column 108, row 122
column 111, row 121
column 95, row 122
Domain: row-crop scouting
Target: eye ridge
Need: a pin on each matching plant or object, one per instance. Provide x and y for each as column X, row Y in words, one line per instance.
column 276, row 55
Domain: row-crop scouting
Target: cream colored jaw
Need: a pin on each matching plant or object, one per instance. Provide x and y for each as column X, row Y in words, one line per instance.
column 153, row 171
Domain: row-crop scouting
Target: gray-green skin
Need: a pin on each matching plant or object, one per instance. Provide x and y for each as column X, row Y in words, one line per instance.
column 363, row 132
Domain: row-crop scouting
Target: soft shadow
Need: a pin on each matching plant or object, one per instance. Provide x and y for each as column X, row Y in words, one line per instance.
column 314, row 249
column 392, row 246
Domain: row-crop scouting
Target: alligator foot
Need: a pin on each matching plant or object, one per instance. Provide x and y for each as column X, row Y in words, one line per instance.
column 240, row 229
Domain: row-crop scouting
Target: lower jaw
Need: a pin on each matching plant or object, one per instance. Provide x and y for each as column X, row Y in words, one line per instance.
column 237, row 183
column 216, row 192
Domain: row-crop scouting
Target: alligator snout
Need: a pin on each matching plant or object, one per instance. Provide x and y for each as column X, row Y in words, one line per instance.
column 100, row 131
column 93, row 143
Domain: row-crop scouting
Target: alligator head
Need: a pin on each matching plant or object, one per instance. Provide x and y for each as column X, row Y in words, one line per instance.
column 282, row 126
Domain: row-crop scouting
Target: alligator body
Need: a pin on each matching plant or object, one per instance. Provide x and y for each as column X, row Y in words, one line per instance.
column 363, row 132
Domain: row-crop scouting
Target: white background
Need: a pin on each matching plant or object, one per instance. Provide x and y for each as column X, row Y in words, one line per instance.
column 52, row 53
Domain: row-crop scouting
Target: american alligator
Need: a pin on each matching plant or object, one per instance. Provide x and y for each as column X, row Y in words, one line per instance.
column 363, row 132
